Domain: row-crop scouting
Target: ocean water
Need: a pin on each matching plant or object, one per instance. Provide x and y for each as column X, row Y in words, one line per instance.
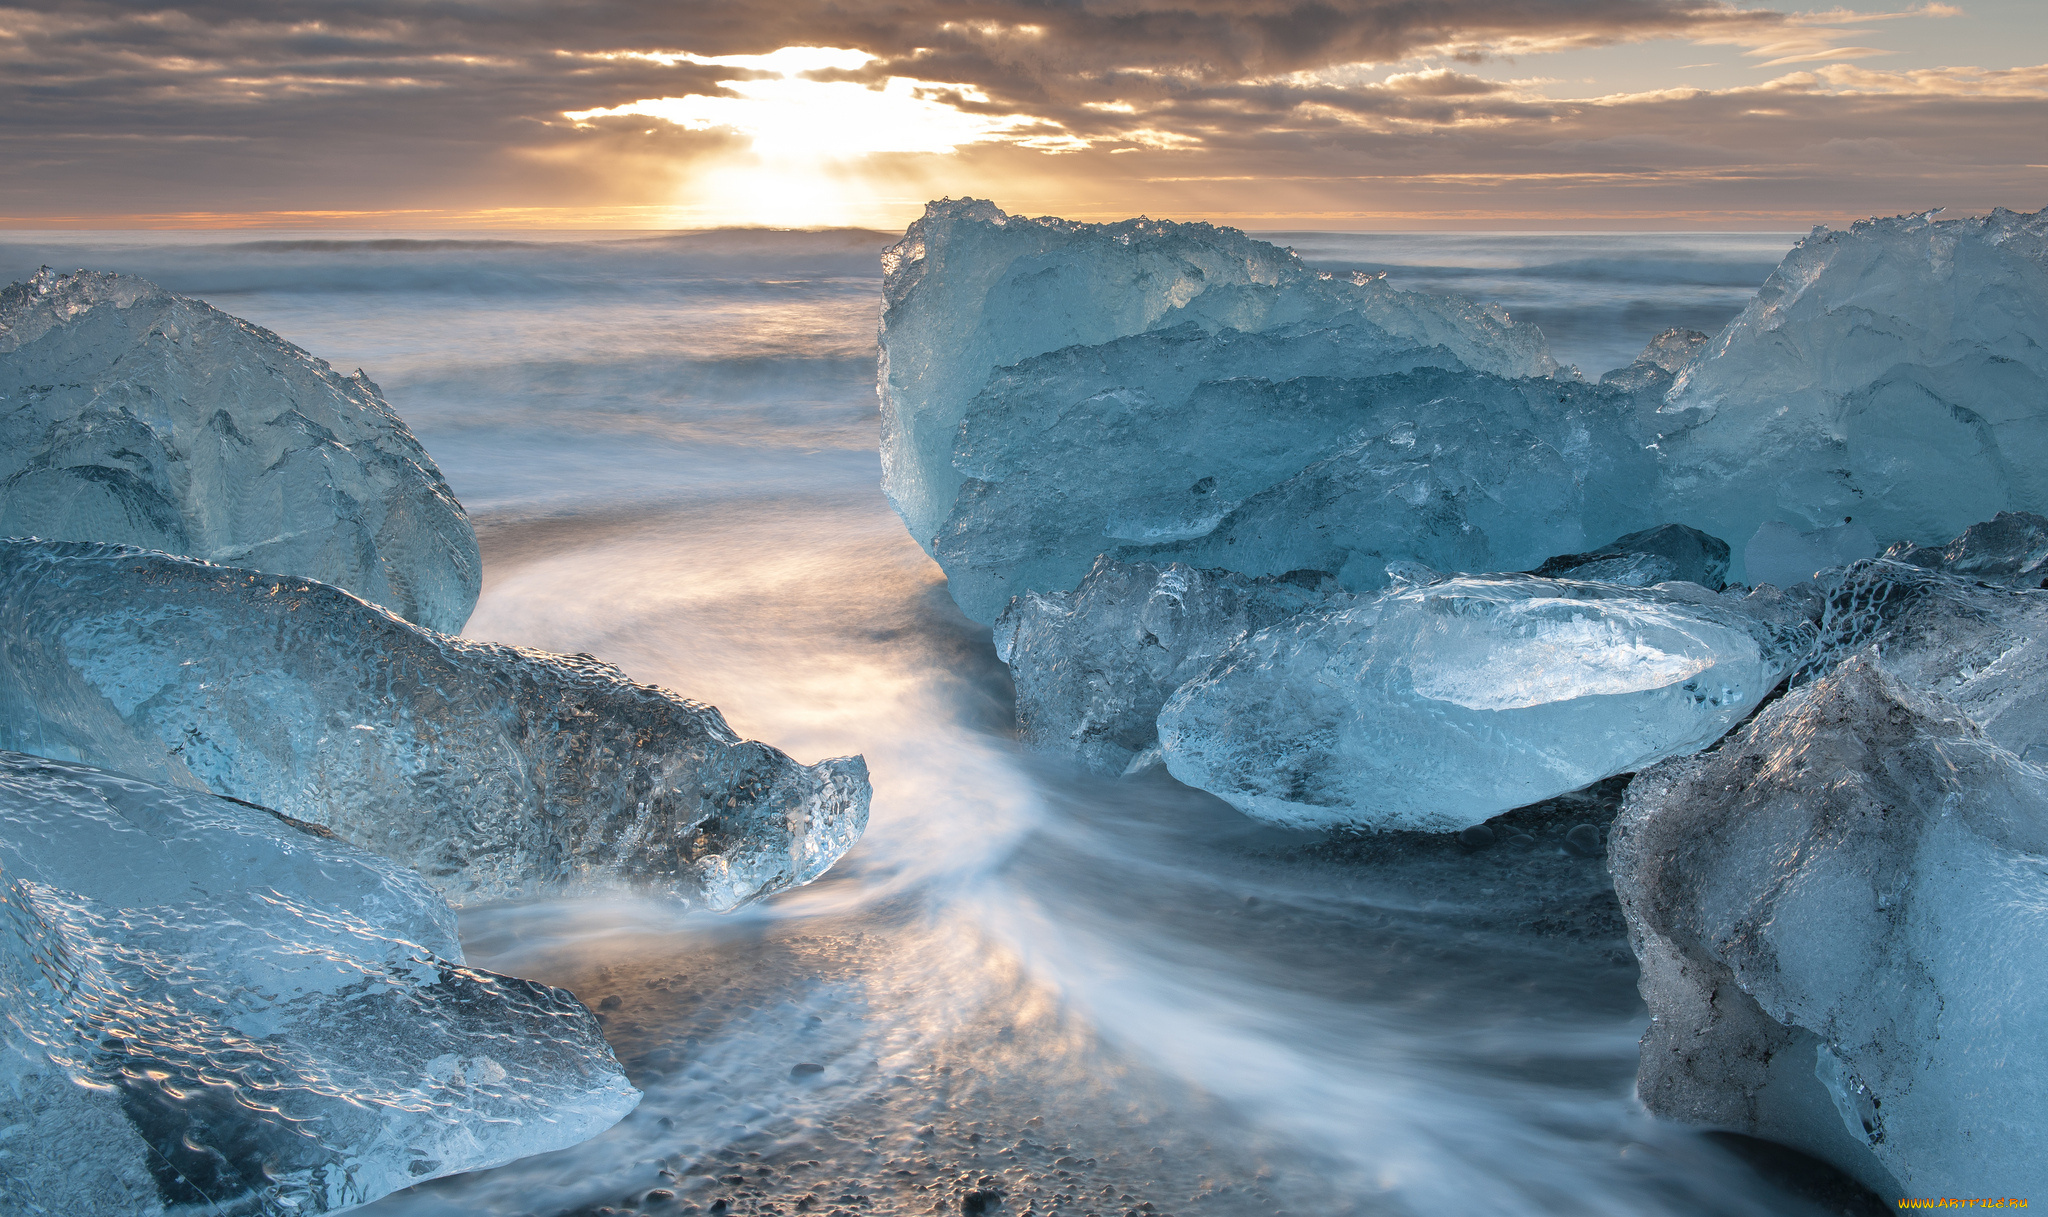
column 1090, row 997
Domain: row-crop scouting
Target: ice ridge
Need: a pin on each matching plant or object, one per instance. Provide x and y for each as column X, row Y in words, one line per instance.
column 495, row 771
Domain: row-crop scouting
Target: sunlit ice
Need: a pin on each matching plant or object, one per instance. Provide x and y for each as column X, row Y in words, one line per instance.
column 810, row 141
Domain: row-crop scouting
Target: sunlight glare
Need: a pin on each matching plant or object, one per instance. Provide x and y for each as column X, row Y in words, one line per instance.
column 807, row 137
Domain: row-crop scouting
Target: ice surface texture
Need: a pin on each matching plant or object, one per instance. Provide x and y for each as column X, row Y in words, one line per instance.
column 970, row 290
column 207, row 1008
column 1456, row 470
column 1093, row 666
column 1895, row 373
column 493, row 770
column 132, row 415
column 1839, row 916
column 1436, row 706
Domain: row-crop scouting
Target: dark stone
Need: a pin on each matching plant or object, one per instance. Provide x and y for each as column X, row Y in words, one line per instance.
column 806, row 1070
column 984, row 1200
column 610, row 1003
column 1479, row 836
column 1693, row 556
column 1584, row 841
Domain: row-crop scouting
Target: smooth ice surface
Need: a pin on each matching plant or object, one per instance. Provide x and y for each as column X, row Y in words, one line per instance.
column 2009, row 548
column 1894, row 373
column 1456, row 470
column 1839, row 915
column 493, row 770
column 1437, row 706
column 132, row 415
column 970, row 289
column 209, row 1009
column 1782, row 555
column 1664, row 554
column 1093, row 666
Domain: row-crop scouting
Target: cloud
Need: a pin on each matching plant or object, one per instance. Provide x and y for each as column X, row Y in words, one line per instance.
column 416, row 105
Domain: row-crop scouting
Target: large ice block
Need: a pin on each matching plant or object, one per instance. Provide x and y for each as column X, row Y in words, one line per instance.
column 970, row 290
column 1093, row 666
column 208, row 1008
column 1438, row 705
column 1839, row 915
column 132, row 415
column 1895, row 373
column 493, row 770
column 1456, row 470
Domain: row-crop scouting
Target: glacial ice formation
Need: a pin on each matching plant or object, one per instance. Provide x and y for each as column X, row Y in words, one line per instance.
column 1839, row 915
column 209, row 1008
column 493, row 770
column 970, row 290
column 1456, row 470
column 1668, row 553
column 132, row 415
column 1437, row 705
column 1894, row 373
column 2010, row 549
column 1093, row 666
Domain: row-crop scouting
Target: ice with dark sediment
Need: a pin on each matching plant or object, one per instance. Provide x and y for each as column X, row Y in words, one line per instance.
column 495, row 771
column 1668, row 553
column 1456, row 470
column 970, row 290
column 1838, row 916
column 1892, row 373
column 1093, row 666
column 1982, row 649
column 209, row 1008
column 133, row 415
column 1439, row 704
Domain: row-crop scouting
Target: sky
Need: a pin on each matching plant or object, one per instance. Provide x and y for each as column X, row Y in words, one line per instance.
column 1333, row 114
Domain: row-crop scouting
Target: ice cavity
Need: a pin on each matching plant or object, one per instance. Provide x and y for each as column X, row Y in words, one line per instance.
column 1093, row 666
column 495, row 771
column 1894, row 373
column 971, row 289
column 1838, row 915
column 1438, row 705
column 210, row 1008
column 129, row 414
column 1263, row 471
